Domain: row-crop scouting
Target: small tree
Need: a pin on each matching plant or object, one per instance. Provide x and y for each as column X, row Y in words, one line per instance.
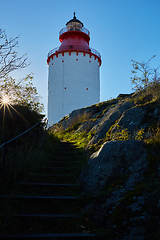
column 23, row 92
column 9, row 59
column 145, row 79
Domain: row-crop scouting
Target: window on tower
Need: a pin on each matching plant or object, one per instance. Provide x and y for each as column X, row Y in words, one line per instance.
column 74, row 26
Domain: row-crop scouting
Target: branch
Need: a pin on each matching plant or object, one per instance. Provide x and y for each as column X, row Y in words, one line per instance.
column 9, row 60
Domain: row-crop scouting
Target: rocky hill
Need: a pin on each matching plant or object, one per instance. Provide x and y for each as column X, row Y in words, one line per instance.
column 120, row 181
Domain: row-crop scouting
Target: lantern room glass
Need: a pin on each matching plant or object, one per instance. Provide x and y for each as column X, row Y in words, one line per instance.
column 74, row 26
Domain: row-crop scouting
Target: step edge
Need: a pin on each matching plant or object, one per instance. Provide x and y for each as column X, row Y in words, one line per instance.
column 42, row 235
column 52, row 175
column 46, row 215
column 50, row 184
column 39, row 197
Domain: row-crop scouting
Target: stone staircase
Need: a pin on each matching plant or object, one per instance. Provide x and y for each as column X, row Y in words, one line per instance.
column 47, row 205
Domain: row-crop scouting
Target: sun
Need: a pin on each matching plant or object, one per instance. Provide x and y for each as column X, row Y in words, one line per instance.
column 6, row 102
column 5, row 99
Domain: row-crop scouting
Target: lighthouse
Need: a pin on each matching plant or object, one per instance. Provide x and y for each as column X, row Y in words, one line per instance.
column 73, row 76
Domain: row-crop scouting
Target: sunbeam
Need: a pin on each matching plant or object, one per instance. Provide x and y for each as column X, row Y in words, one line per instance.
column 17, row 112
column 10, row 113
column 5, row 104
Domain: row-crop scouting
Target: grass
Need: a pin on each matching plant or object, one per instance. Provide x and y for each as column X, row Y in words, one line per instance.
column 150, row 135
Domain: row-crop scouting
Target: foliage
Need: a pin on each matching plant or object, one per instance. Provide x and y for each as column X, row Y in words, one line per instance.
column 23, row 93
column 140, row 134
column 79, row 138
column 153, row 136
column 146, row 132
column 121, row 134
column 90, row 135
column 17, row 119
column 29, row 151
column 145, row 79
column 9, row 59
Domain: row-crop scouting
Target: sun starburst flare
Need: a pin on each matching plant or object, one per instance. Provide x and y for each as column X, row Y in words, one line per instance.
column 6, row 104
column 5, row 99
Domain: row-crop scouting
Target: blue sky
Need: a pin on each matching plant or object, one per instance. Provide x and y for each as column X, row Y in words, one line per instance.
column 120, row 30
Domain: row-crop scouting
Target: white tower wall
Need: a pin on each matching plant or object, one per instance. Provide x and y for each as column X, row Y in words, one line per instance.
column 74, row 83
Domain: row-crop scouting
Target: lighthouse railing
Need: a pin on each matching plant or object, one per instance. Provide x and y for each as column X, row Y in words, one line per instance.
column 66, row 29
column 74, row 48
column 52, row 51
column 94, row 51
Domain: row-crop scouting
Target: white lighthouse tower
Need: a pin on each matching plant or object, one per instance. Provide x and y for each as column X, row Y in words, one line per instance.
column 73, row 80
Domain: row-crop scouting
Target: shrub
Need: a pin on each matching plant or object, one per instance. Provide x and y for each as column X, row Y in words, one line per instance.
column 26, row 152
column 145, row 79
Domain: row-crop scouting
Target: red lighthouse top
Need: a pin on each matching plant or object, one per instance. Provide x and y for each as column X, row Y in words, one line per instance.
column 74, row 34
column 74, row 38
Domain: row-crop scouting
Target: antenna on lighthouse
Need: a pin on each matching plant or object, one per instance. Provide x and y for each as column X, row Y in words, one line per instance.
column 74, row 15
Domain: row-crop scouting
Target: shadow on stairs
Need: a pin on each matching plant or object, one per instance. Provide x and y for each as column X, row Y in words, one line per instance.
column 47, row 206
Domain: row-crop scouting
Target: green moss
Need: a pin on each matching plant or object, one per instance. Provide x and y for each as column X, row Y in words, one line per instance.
column 90, row 135
column 65, row 118
column 93, row 120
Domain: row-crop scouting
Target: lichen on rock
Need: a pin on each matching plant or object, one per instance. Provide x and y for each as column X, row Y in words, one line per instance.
column 114, row 158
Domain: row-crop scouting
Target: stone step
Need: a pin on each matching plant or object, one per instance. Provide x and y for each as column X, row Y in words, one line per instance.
column 70, row 156
column 68, row 148
column 67, row 169
column 66, row 165
column 39, row 197
column 45, row 202
column 51, row 175
column 48, row 184
column 48, row 189
column 36, row 213
column 62, row 162
column 43, row 223
column 48, row 204
column 53, row 178
column 44, row 215
column 52, row 168
column 55, row 236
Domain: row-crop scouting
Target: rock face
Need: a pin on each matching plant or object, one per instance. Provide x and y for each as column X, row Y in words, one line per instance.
column 121, row 180
column 114, row 158
column 108, row 119
column 131, row 119
column 123, row 202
